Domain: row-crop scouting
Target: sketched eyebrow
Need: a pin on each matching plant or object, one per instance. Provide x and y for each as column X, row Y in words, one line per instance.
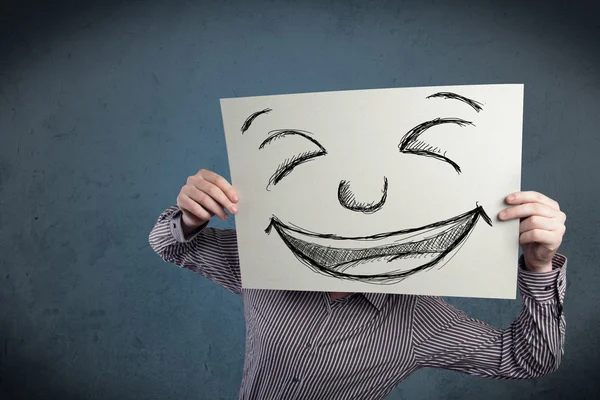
column 477, row 106
column 252, row 117
column 278, row 134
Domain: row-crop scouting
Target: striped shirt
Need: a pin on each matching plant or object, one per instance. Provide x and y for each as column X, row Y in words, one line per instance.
column 302, row 345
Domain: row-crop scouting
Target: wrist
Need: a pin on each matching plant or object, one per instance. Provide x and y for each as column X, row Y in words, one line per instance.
column 188, row 226
column 537, row 267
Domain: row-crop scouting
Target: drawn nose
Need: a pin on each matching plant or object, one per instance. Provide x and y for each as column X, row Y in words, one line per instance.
column 349, row 201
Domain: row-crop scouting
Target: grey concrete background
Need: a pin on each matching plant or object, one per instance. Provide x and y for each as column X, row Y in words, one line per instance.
column 106, row 107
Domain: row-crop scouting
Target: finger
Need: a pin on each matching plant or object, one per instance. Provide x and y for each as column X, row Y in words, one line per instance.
column 550, row 240
column 221, row 183
column 185, row 203
column 527, row 210
column 531, row 197
column 537, row 222
column 205, row 201
column 215, row 193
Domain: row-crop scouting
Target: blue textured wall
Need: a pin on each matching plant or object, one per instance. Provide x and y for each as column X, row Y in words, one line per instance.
column 106, row 108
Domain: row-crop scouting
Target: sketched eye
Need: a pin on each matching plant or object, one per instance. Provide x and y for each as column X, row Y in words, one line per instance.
column 409, row 144
column 288, row 165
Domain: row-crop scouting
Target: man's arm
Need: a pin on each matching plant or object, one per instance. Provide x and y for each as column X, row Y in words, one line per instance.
column 210, row 252
column 180, row 235
column 532, row 346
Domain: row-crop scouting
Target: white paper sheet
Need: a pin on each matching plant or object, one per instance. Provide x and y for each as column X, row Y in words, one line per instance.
column 384, row 190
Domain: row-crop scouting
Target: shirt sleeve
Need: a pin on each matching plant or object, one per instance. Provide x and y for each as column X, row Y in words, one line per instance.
column 532, row 346
column 210, row 252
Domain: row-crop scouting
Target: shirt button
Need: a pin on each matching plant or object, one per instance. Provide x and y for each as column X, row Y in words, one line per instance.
column 308, row 345
column 295, row 380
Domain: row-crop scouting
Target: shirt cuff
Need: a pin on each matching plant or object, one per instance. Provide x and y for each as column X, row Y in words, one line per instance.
column 176, row 226
column 544, row 287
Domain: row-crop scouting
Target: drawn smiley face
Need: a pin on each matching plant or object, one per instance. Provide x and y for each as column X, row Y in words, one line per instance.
column 406, row 251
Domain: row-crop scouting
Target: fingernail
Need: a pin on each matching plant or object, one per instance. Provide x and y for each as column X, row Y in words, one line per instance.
column 511, row 197
column 234, row 209
column 502, row 214
column 235, row 197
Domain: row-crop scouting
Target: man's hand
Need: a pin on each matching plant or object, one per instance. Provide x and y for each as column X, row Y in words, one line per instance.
column 541, row 230
column 204, row 195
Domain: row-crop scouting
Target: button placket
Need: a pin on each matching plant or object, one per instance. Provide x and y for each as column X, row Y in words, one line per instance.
column 299, row 374
column 311, row 341
column 557, row 294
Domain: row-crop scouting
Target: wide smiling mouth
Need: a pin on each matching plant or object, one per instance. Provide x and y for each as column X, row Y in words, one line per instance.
column 352, row 258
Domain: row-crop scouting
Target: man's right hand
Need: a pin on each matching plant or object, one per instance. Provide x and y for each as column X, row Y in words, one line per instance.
column 204, row 195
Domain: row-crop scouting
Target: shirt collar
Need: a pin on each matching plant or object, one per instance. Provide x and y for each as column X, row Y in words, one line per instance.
column 376, row 299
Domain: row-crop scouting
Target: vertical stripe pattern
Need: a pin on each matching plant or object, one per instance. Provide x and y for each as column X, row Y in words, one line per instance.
column 301, row 345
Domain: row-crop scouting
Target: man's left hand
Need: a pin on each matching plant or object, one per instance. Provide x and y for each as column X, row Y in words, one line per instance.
column 541, row 229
